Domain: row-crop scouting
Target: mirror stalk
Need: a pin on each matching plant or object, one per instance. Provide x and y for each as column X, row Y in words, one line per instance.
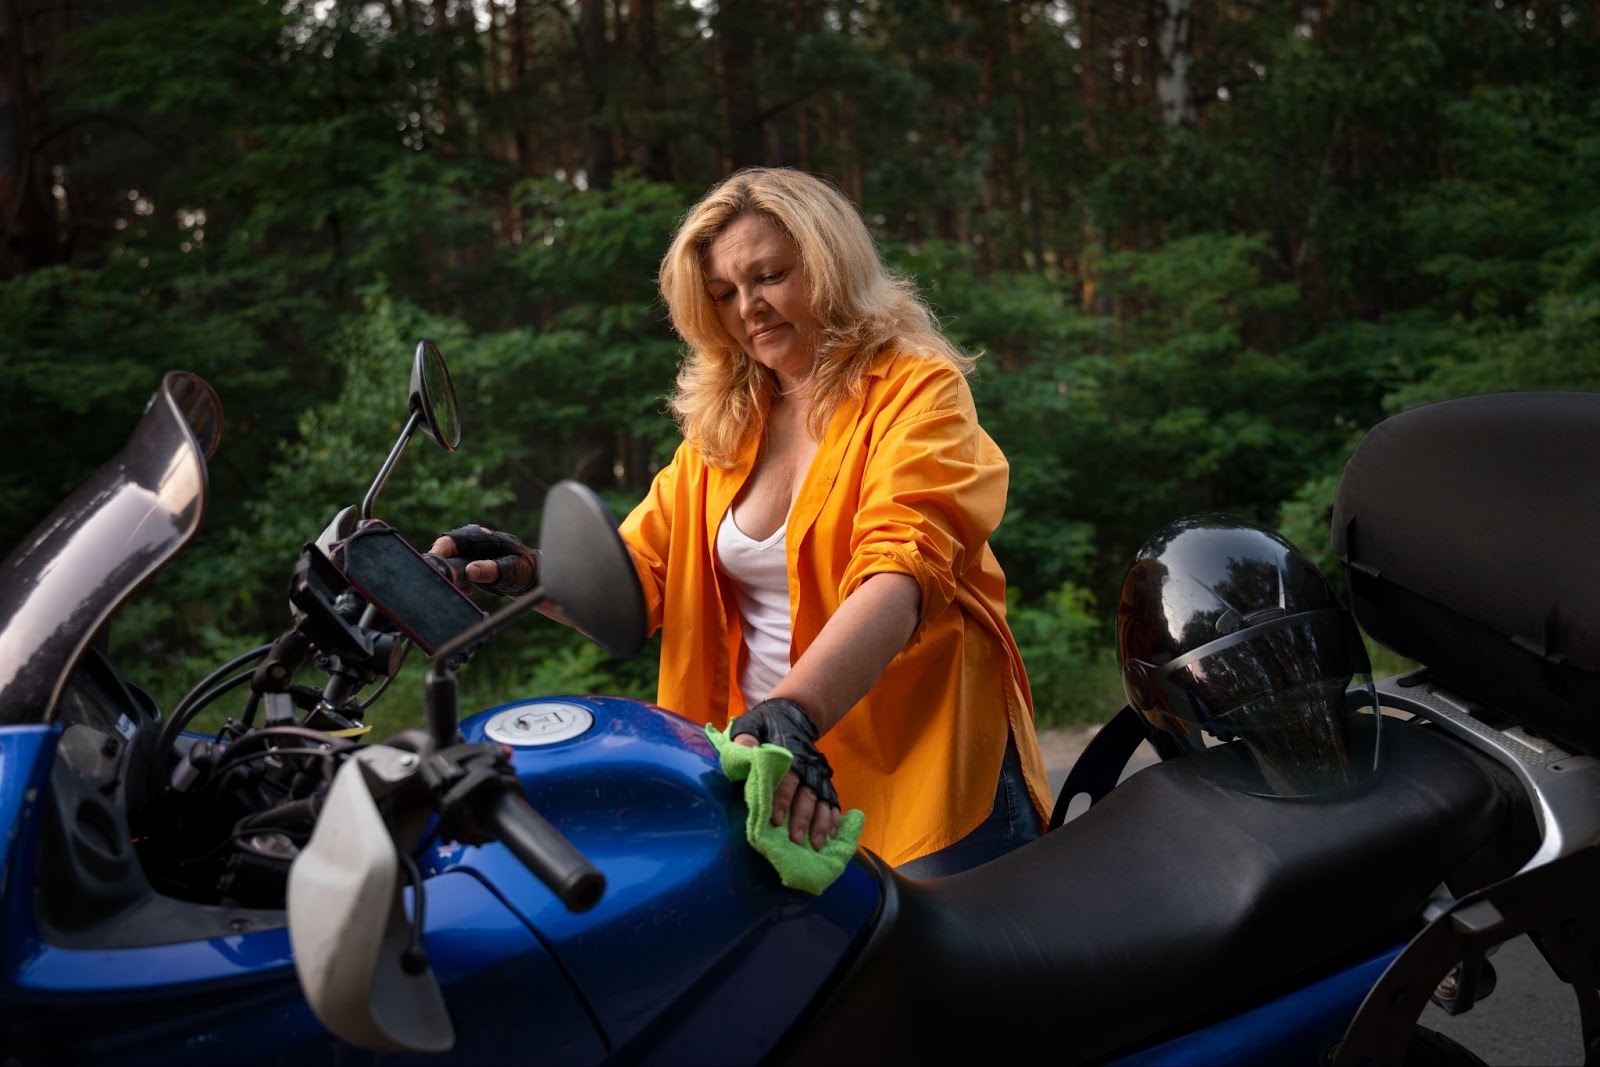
column 439, row 698
column 371, row 498
column 439, row 694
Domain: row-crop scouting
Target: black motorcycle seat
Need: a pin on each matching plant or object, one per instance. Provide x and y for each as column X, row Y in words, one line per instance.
column 1171, row 903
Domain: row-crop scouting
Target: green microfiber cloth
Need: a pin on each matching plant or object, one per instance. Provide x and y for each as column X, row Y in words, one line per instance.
column 798, row 866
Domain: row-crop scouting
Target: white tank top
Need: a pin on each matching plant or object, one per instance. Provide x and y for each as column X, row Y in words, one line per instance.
column 760, row 574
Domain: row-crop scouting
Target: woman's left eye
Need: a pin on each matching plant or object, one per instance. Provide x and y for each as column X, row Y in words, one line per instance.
column 771, row 279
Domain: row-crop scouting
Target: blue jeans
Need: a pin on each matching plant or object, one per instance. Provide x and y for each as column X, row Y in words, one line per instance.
column 1012, row 822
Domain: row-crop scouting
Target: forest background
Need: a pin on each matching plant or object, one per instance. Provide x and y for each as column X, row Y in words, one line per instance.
column 1203, row 245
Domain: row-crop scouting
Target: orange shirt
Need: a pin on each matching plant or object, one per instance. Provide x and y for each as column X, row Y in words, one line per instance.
column 904, row 480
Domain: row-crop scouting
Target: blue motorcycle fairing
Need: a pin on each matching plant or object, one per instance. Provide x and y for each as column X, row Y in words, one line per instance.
column 1298, row 1027
column 25, row 753
column 237, row 998
column 692, row 919
column 24, row 767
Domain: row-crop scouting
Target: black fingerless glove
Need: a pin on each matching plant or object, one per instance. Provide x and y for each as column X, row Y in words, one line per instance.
column 519, row 564
column 785, row 724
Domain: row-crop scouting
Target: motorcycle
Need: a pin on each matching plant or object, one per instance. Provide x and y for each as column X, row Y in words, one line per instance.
column 566, row 879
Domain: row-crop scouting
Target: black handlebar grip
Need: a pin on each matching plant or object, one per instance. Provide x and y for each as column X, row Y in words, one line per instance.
column 452, row 567
column 541, row 848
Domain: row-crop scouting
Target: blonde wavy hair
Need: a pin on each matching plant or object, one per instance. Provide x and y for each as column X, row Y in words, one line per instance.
column 723, row 396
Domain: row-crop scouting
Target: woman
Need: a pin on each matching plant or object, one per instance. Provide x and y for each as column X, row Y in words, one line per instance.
column 816, row 554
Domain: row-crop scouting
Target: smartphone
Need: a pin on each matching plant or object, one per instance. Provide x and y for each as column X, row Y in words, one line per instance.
column 394, row 578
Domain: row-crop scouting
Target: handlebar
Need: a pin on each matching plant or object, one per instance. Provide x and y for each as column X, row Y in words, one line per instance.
column 479, row 799
column 541, row 848
column 452, row 567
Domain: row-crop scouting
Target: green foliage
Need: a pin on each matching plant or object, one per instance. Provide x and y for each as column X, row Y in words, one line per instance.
column 85, row 349
column 1304, row 520
column 341, row 445
column 1072, row 667
column 1382, row 205
column 602, row 357
column 1512, row 241
column 1114, row 428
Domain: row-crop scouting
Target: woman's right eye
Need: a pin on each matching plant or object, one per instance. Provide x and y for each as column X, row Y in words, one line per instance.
column 719, row 298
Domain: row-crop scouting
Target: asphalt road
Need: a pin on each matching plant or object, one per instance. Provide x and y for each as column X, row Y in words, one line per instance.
column 1530, row 1019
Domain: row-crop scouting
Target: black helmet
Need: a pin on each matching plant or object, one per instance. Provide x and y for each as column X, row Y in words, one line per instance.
column 1228, row 633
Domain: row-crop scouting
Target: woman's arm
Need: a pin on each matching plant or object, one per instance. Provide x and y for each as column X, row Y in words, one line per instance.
column 870, row 628
column 646, row 533
column 855, row 645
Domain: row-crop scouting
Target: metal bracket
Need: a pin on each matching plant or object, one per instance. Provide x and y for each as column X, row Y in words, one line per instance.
column 1467, row 983
column 1554, row 903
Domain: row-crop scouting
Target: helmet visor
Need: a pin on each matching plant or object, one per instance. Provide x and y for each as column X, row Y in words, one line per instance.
column 1282, row 708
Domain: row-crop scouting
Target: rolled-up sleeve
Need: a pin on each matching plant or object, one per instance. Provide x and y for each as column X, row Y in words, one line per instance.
column 933, row 491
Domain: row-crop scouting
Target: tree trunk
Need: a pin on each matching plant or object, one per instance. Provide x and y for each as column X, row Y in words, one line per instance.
column 1092, row 83
column 30, row 236
column 741, row 103
column 447, row 82
column 1029, row 236
column 598, row 160
column 522, row 151
column 653, row 154
column 1174, row 40
column 1090, row 80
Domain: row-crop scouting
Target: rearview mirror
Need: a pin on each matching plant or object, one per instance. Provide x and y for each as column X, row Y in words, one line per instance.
column 434, row 396
column 587, row 570
column 432, row 409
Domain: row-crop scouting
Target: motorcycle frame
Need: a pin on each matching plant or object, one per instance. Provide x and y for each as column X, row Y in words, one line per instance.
column 1550, row 897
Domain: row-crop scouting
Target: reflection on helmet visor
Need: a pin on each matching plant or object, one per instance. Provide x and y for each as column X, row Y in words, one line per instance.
column 1291, row 693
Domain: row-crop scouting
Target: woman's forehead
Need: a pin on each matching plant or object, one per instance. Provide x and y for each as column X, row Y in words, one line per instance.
column 746, row 244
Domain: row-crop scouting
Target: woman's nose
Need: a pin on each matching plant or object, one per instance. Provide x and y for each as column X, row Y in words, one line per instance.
column 750, row 305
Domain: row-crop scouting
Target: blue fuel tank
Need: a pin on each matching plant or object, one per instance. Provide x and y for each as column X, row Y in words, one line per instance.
column 693, row 921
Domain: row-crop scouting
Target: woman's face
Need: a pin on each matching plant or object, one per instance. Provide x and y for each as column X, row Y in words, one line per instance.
column 759, row 287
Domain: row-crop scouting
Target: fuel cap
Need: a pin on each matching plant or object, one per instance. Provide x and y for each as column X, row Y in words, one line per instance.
column 540, row 723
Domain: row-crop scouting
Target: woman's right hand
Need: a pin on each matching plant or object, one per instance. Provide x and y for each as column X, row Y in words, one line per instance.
column 805, row 795
column 496, row 561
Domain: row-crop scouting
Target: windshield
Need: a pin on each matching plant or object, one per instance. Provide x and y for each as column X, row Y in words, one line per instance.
column 60, row 584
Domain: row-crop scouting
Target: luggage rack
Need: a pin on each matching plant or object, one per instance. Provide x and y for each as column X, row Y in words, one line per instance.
column 1551, row 898
column 1564, row 785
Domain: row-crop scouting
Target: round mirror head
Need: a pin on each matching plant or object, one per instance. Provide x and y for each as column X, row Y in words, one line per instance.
column 586, row 570
column 200, row 407
column 433, row 394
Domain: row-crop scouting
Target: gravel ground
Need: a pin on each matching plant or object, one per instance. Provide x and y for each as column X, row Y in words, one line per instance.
column 1062, row 746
